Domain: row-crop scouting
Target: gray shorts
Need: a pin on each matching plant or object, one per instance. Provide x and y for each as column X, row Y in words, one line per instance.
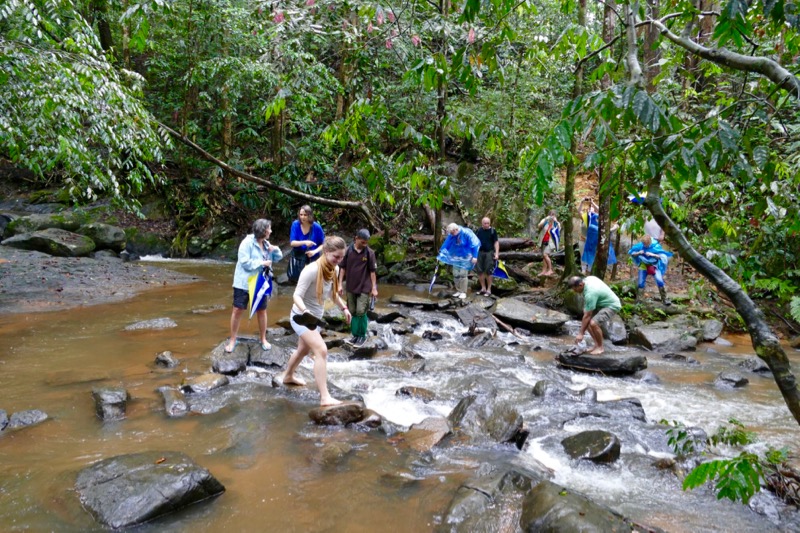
column 604, row 316
column 485, row 264
column 549, row 248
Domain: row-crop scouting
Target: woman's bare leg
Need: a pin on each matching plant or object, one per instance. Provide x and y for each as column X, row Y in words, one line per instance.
column 314, row 341
column 262, row 325
column 289, row 377
column 236, row 319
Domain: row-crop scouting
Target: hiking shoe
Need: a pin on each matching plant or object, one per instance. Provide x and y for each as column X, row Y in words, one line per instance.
column 359, row 342
column 351, row 340
column 308, row 320
column 461, row 296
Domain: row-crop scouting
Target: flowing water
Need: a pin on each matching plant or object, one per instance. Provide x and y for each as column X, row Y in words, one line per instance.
column 266, row 452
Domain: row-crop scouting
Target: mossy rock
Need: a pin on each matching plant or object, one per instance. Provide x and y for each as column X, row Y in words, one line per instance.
column 146, row 243
column 68, row 221
column 376, row 242
column 394, row 253
column 227, row 249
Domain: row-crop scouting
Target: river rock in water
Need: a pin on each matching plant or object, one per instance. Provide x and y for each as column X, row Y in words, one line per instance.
column 480, row 416
column 338, row 415
column 664, row 337
column 753, row 363
column 416, row 392
column 3, row 420
column 712, row 329
column 231, row 363
column 423, row 436
column 167, row 360
column 596, row 445
column 608, row 364
column 531, row 317
column 110, row 403
column 174, row 403
column 23, row 419
column 550, row 507
column 204, row 383
column 552, row 390
column 155, row 323
column 730, row 379
column 131, row 489
column 414, row 301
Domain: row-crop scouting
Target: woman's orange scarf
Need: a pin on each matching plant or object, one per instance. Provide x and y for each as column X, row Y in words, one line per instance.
column 326, row 272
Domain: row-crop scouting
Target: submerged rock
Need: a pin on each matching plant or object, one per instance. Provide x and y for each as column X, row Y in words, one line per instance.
column 332, row 453
column 424, row 436
column 23, row 419
column 131, row 489
column 552, row 508
column 3, row 420
column 416, row 392
column 156, row 323
column 608, row 364
column 597, row 446
column 204, row 383
column 755, row 364
column 481, row 416
column 174, row 403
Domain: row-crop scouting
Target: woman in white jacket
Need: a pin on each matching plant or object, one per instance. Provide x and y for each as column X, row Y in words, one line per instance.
column 255, row 253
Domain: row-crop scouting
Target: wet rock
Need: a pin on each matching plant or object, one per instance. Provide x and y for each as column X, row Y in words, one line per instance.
column 753, row 363
column 424, row 436
column 26, row 418
column 174, row 403
column 156, row 323
column 368, row 350
column 334, row 339
column 551, row 390
column 3, row 420
column 475, row 316
column 719, row 341
column 414, row 301
column 795, row 342
column 110, row 403
column 204, row 383
column 432, row 335
column 614, row 330
column 167, row 360
column 596, row 446
column 484, row 340
column 404, row 326
column 621, row 409
column 416, row 392
column 57, row 242
column 730, row 379
column 276, row 357
column 384, row 315
column 531, row 317
column 332, row 453
column 608, row 364
column 415, row 346
column 647, row 377
column 131, row 489
column 105, row 255
column 479, row 417
column 663, row 337
column 486, row 503
column 711, row 329
column 337, row 415
column 232, row 363
column 105, row 236
column 409, row 366
column 552, row 508
column 680, row 358
column 208, row 310
column 370, row 420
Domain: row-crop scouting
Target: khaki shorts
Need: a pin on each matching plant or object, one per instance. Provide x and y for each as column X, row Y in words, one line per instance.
column 549, row 248
column 604, row 316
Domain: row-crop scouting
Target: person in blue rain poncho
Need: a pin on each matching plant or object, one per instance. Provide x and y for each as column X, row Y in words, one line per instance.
column 592, row 221
column 460, row 249
column 651, row 259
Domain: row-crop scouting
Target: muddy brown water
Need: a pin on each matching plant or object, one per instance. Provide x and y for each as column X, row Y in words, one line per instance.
column 266, row 457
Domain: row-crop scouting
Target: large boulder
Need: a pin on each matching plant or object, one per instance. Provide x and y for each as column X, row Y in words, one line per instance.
column 712, row 329
column 338, row 415
column 554, row 509
column 57, row 242
column 531, row 317
column 414, row 301
column 105, row 236
column 614, row 330
column 127, row 490
column 482, row 417
column 608, row 364
column 663, row 337
column 35, row 222
column 475, row 316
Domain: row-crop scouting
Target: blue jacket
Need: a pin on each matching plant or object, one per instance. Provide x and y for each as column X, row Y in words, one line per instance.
column 660, row 258
column 250, row 258
column 316, row 234
column 458, row 250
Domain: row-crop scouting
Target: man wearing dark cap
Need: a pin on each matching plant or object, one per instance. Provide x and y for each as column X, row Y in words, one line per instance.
column 357, row 271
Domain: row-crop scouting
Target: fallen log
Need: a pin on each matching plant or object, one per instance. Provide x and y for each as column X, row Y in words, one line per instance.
column 506, row 243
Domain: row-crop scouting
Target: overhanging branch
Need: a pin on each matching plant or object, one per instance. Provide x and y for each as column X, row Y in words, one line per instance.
column 358, row 206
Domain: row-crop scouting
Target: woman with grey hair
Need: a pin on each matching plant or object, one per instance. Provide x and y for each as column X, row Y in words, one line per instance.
column 255, row 253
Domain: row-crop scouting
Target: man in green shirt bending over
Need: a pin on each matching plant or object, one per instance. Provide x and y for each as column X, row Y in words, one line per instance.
column 600, row 304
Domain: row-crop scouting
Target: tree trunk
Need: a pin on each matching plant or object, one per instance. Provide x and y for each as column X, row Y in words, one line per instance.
column 765, row 342
column 100, row 15
column 570, row 266
column 652, row 53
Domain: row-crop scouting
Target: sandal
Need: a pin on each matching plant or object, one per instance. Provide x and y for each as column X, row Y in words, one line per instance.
column 266, row 346
column 308, row 320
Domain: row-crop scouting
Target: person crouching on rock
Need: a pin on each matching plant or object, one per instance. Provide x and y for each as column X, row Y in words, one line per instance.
column 318, row 281
column 600, row 304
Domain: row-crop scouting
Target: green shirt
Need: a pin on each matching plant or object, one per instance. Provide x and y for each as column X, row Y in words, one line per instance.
column 597, row 295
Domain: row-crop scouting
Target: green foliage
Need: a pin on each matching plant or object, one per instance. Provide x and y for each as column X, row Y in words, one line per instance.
column 737, row 478
column 794, row 308
column 66, row 111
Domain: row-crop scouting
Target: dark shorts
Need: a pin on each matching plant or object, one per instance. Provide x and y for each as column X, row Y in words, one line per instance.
column 241, row 299
column 485, row 264
column 604, row 316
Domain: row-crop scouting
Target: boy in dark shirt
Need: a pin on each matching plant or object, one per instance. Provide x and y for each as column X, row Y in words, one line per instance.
column 488, row 253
